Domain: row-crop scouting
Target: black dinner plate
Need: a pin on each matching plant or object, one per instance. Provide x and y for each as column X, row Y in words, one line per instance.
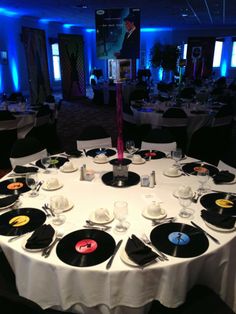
column 56, row 162
column 97, row 151
column 192, row 167
column 222, row 203
column 152, row 153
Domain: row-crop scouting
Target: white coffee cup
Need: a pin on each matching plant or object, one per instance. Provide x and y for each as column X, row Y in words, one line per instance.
column 102, row 214
column 68, row 166
column 172, row 171
column 59, row 201
column 52, row 183
column 137, row 158
column 154, row 209
column 101, row 157
column 185, row 191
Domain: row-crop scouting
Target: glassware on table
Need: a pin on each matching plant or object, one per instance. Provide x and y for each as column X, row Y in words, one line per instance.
column 130, row 147
column 176, row 155
column 185, row 202
column 203, row 177
column 46, row 162
column 120, row 213
column 57, row 206
column 32, row 181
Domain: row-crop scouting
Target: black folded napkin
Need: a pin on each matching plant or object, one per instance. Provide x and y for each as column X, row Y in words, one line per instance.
column 23, row 169
column 138, row 252
column 219, row 220
column 74, row 153
column 223, row 176
column 8, row 200
column 41, row 237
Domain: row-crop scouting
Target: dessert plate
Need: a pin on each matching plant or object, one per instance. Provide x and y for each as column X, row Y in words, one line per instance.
column 125, row 258
column 24, row 241
column 218, row 228
column 68, row 170
column 172, row 175
column 142, row 161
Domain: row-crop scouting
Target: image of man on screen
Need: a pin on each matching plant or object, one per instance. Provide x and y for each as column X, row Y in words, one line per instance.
column 131, row 42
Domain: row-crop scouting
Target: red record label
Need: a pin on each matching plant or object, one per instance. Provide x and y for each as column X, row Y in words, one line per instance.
column 86, row 246
column 150, row 154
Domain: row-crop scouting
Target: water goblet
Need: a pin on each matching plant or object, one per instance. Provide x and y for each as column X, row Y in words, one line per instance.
column 176, row 156
column 46, row 162
column 120, row 213
column 203, row 177
column 56, row 205
column 32, row 181
column 130, row 147
column 185, row 202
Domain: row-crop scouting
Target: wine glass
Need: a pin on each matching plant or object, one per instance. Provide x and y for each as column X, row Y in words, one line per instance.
column 56, row 205
column 130, row 147
column 46, row 162
column 185, row 202
column 120, row 213
column 177, row 155
column 32, row 181
column 203, row 177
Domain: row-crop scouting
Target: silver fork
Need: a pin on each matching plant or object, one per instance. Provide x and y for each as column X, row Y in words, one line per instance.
column 46, row 252
column 161, row 256
column 48, row 208
column 196, row 197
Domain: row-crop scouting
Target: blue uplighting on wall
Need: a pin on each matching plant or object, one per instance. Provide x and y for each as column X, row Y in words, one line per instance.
column 223, row 68
column 15, row 76
column 90, row 30
column 155, row 29
column 7, row 12
column 1, row 80
column 44, row 21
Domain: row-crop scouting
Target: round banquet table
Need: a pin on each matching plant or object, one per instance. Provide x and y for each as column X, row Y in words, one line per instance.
column 123, row 288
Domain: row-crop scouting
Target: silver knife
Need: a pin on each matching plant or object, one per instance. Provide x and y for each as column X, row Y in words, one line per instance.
column 113, row 255
column 206, row 233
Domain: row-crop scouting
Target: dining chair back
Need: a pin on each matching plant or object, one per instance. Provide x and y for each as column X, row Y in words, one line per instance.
column 26, row 150
column 222, row 165
column 160, row 139
column 93, row 136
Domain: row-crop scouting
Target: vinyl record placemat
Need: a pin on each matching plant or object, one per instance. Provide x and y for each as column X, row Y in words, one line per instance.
column 221, row 203
column 86, row 247
column 97, row 151
column 179, row 240
column 133, row 179
column 20, row 221
column 14, row 186
column 56, row 162
column 194, row 167
column 151, row 154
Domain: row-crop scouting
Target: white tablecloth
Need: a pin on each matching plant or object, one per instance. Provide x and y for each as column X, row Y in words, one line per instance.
column 122, row 289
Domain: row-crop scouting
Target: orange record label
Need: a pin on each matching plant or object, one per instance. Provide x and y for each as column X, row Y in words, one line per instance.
column 200, row 169
column 15, row 185
column 19, row 221
column 224, row 203
column 86, row 246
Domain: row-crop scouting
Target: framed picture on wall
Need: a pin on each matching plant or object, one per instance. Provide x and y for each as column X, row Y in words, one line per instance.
column 3, row 57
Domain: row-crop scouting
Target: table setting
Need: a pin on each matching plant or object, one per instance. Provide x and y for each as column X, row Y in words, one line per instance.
column 157, row 242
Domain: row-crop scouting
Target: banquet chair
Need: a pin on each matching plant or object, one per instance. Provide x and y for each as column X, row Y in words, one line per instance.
column 159, row 139
column 26, row 150
column 187, row 93
column 8, row 135
column 175, row 120
column 93, row 136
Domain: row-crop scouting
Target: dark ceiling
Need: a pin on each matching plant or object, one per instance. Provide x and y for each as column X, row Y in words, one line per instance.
column 154, row 13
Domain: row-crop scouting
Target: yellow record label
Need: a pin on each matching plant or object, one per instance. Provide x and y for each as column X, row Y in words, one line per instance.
column 19, row 221
column 224, row 203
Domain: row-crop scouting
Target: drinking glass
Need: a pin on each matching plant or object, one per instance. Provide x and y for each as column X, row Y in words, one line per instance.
column 46, row 161
column 130, row 147
column 203, row 177
column 32, row 181
column 56, row 205
column 120, row 213
column 177, row 156
column 185, row 202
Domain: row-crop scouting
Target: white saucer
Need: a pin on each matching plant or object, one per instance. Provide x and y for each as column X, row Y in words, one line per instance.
column 171, row 175
column 125, row 258
column 68, row 170
column 98, row 161
column 232, row 182
column 93, row 219
column 142, row 161
column 35, row 250
column 218, row 228
column 44, row 187
column 146, row 215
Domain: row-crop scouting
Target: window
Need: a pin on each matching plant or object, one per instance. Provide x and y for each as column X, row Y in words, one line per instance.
column 185, row 51
column 233, row 58
column 56, row 62
column 217, row 54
